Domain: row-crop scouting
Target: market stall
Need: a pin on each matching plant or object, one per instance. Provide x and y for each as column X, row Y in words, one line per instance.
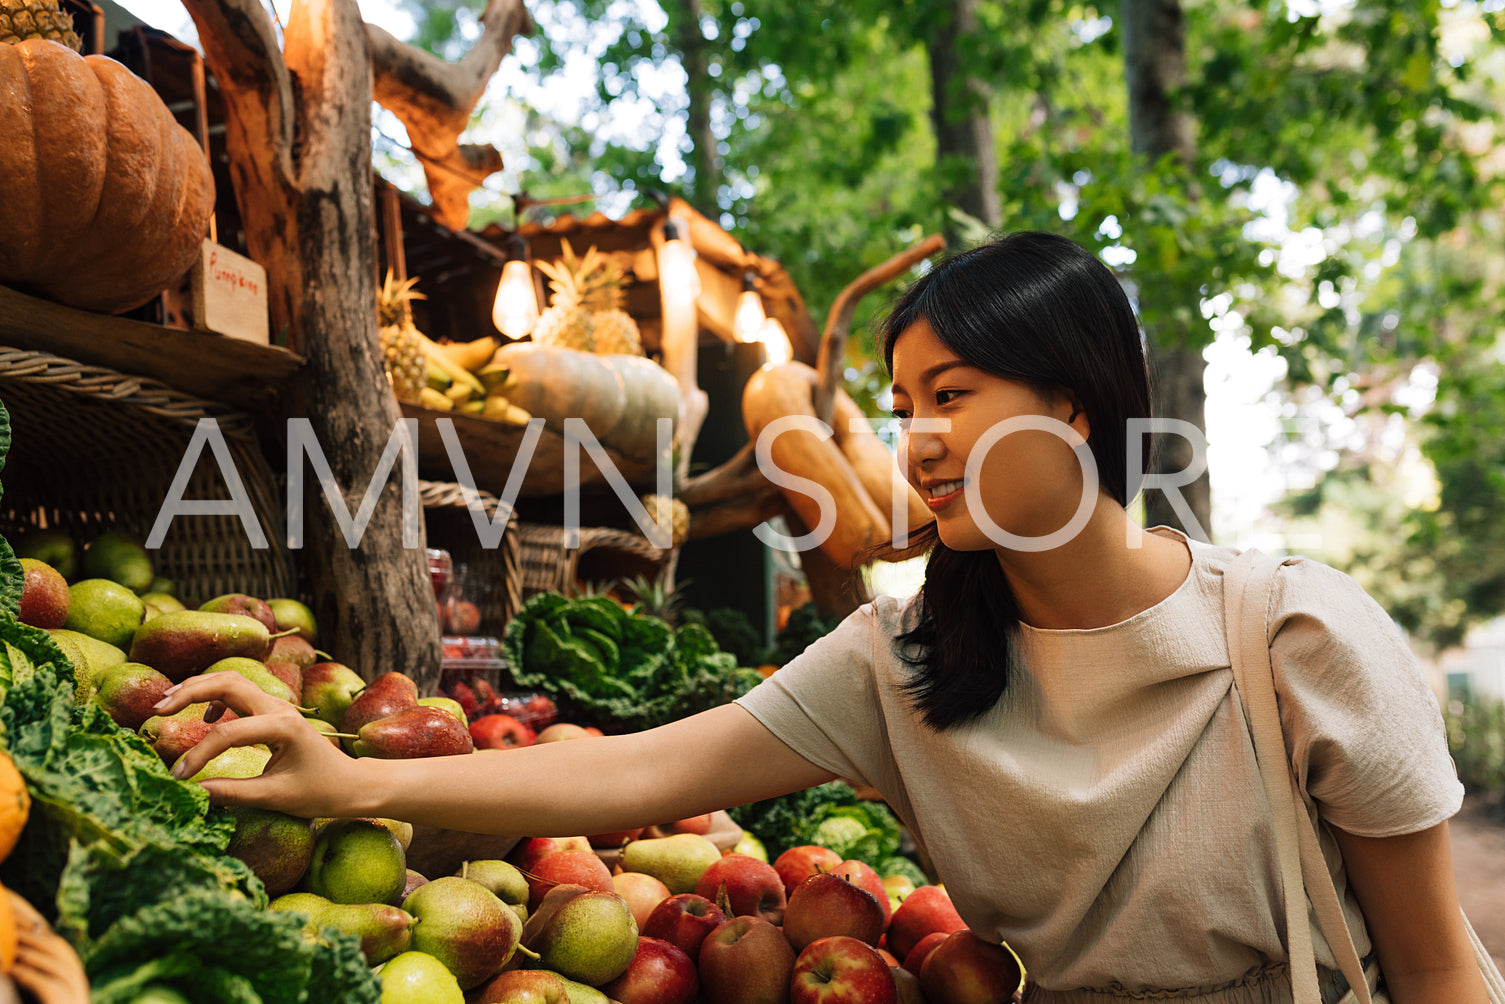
column 209, row 341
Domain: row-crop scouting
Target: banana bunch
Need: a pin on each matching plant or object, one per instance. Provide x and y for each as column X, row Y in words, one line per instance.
column 460, row 378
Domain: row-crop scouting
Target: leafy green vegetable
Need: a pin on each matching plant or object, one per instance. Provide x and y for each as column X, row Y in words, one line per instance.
column 900, row 865
column 830, row 815
column 806, row 625
column 619, row 670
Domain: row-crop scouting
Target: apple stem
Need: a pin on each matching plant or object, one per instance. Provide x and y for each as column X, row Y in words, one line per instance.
column 326, row 655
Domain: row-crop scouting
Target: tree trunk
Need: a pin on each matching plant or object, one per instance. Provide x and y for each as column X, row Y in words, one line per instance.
column 705, row 158
column 959, row 114
column 1154, row 40
column 298, row 132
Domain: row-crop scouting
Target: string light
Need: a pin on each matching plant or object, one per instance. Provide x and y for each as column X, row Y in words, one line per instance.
column 676, row 262
column 515, row 310
column 775, row 342
column 747, row 323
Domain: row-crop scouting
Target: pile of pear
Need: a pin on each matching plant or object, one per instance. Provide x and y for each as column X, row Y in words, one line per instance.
column 461, row 377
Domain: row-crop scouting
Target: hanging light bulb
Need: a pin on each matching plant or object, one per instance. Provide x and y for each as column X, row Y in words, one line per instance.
column 747, row 323
column 775, row 342
column 516, row 308
column 676, row 262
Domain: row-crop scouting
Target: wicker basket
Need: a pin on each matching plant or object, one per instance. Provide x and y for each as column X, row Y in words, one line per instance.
column 94, row 450
column 604, row 554
column 496, row 585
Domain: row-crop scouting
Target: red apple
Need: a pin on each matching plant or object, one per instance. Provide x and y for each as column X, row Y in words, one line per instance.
column 841, row 970
column 746, row 960
column 562, row 730
column 700, row 824
column 521, row 986
column 591, row 730
column 751, row 887
column 660, row 973
column 529, row 851
column 500, row 732
column 888, row 958
column 642, row 893
column 799, row 863
column 916, row 956
column 684, row 920
column 825, row 906
column 564, row 868
column 926, row 909
column 464, row 617
column 863, row 875
column 968, row 969
column 908, row 986
column 614, row 839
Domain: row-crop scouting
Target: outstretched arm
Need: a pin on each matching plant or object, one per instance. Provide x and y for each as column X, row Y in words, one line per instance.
column 1406, row 889
column 713, row 760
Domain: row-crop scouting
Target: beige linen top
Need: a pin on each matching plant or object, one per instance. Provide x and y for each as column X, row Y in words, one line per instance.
column 1106, row 818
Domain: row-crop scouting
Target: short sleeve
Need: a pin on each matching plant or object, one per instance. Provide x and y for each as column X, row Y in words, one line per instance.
column 1364, row 729
column 824, row 704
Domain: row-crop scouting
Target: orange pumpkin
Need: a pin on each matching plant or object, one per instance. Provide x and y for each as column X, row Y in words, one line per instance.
column 15, row 805
column 107, row 198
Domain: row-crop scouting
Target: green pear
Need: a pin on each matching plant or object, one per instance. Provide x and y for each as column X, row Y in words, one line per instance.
column 592, row 938
column 448, row 704
column 51, row 546
column 582, row 994
column 409, row 734
column 465, row 926
column 356, row 861
column 120, row 558
column 257, row 673
column 128, row 691
column 290, row 613
column 242, row 605
column 677, row 861
column 173, row 735
column 183, row 643
column 320, row 725
column 521, row 986
column 329, row 688
column 161, row 584
column 504, row 880
column 104, row 609
column 384, row 931
column 166, row 603
column 44, row 595
column 90, row 658
column 418, row 978
column 276, row 847
column 293, row 649
column 236, row 762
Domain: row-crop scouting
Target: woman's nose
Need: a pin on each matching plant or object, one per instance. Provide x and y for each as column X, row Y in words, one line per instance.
column 921, row 441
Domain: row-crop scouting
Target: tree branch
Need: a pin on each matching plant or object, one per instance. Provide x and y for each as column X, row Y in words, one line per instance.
column 434, row 100
column 833, row 342
column 738, row 475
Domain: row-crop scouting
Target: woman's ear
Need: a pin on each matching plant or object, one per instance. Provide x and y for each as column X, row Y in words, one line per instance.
column 1078, row 419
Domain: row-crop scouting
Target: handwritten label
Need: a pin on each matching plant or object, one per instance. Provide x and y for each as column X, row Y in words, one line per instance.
column 230, row 294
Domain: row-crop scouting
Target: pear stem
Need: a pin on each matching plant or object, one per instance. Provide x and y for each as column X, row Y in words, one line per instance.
column 528, row 952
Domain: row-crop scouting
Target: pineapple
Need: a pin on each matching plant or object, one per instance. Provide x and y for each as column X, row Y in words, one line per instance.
column 23, row 19
column 586, row 312
column 661, row 508
column 401, row 344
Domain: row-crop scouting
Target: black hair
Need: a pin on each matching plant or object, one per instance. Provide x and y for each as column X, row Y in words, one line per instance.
column 1037, row 308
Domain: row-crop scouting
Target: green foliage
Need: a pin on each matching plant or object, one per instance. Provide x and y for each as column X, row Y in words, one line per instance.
column 806, row 625
column 867, row 829
column 620, row 670
column 1476, row 737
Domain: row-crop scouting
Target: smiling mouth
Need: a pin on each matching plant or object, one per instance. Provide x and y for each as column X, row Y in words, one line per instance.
column 943, row 494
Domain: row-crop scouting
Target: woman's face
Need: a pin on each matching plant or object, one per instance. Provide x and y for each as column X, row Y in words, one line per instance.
column 1028, row 481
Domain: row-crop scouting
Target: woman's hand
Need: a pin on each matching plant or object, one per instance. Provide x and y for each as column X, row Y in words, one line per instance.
column 46, row 966
column 306, row 775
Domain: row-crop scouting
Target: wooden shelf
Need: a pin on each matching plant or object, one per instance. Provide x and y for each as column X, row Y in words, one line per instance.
column 491, row 449
column 236, row 372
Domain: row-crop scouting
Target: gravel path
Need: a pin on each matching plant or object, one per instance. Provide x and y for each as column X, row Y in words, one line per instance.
column 1479, row 864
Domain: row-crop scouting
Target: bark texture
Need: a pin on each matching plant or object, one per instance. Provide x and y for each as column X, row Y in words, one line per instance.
column 1154, row 39
column 705, row 155
column 959, row 115
column 298, row 133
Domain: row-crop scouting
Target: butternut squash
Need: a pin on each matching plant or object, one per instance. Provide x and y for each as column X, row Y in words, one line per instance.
column 872, row 460
column 107, row 198
column 15, row 805
column 620, row 397
column 776, row 391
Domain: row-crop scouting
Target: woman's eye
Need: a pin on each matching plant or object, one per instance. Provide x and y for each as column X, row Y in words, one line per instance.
column 947, row 396
column 900, row 413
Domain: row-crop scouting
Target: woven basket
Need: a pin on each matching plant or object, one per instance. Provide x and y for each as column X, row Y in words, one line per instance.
column 604, row 554
column 496, row 584
column 94, row 450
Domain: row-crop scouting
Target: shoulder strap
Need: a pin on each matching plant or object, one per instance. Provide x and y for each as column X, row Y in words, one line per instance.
column 1248, row 584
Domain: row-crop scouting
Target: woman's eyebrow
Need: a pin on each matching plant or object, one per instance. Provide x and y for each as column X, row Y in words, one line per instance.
column 929, row 375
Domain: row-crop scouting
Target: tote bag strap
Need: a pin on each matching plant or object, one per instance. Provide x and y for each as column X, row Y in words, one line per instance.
column 1248, row 583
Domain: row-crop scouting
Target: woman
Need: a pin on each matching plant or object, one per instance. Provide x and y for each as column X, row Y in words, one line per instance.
column 1051, row 715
